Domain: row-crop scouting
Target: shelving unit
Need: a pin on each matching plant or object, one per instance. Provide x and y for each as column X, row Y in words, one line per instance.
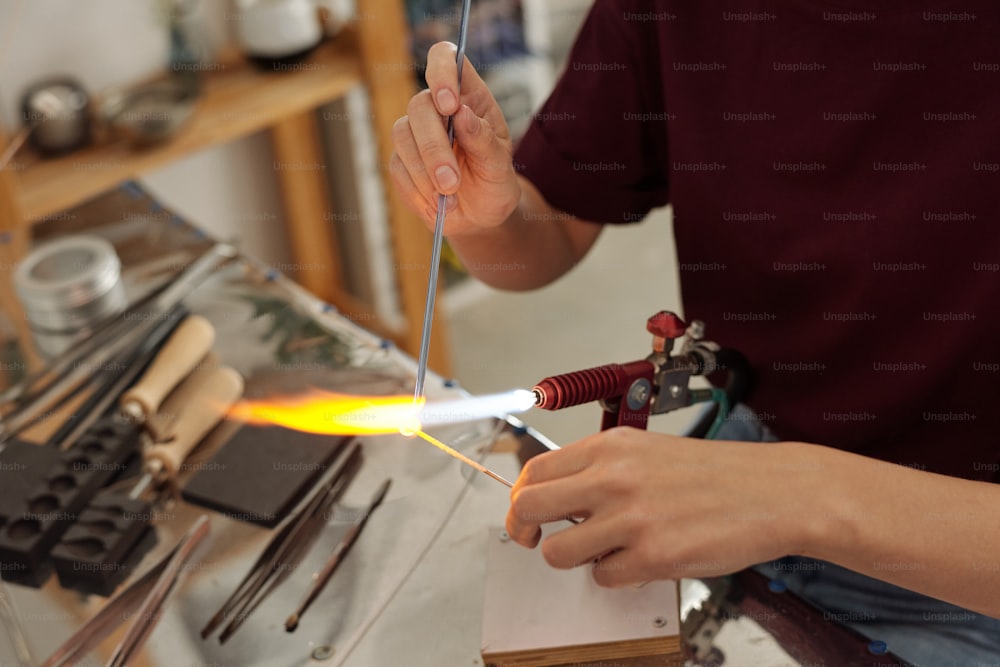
column 240, row 100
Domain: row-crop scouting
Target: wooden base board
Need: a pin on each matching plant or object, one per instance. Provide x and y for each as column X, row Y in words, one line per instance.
column 654, row 651
column 537, row 616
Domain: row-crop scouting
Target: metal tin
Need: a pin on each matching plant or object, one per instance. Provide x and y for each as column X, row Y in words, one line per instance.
column 59, row 112
column 69, row 285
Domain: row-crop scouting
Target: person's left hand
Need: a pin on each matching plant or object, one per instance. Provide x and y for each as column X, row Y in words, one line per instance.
column 664, row 507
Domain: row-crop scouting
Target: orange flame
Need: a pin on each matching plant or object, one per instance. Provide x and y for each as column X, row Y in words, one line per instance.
column 328, row 413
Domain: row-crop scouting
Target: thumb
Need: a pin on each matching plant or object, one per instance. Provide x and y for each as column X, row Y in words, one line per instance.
column 486, row 153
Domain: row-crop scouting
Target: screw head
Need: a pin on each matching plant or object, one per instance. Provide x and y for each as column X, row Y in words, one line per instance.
column 504, row 537
column 675, row 391
column 322, row 653
column 659, row 622
column 639, row 393
column 878, row 647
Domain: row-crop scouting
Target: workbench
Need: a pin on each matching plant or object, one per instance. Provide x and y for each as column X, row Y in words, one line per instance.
column 411, row 591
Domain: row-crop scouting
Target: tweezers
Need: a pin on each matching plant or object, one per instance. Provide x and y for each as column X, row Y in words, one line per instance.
column 284, row 551
column 321, row 578
column 142, row 601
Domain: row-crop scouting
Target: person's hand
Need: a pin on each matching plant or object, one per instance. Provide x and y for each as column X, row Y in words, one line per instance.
column 664, row 507
column 478, row 175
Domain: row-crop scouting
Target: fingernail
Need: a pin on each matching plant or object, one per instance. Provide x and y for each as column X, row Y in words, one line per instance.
column 446, row 177
column 445, row 99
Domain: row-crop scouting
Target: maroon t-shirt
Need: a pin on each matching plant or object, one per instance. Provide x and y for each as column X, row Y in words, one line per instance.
column 835, row 177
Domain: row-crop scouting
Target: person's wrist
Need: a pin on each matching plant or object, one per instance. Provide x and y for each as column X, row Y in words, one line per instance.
column 827, row 507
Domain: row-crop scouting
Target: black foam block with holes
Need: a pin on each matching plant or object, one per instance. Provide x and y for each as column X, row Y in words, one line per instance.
column 109, row 538
column 23, row 466
column 52, row 505
column 261, row 472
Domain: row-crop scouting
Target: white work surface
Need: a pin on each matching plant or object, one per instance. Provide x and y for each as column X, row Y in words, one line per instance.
column 435, row 618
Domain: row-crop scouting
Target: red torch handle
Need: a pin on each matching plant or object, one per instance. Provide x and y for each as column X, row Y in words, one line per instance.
column 610, row 381
column 578, row 387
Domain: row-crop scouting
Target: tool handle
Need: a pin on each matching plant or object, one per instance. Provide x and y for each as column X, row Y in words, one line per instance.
column 201, row 401
column 182, row 352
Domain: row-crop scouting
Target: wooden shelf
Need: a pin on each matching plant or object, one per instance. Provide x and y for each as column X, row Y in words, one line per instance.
column 238, row 100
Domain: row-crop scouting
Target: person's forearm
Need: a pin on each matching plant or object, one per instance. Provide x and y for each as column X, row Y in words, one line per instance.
column 929, row 533
column 535, row 246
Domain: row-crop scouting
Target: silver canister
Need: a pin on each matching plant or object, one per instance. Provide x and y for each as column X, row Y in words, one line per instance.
column 58, row 112
column 67, row 287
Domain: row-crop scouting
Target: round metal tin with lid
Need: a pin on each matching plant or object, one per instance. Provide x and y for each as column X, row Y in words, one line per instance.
column 70, row 284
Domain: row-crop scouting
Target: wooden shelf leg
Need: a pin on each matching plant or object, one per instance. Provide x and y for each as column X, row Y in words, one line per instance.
column 301, row 172
column 14, row 243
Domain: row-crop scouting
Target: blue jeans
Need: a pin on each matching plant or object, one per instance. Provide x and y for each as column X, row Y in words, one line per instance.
column 917, row 628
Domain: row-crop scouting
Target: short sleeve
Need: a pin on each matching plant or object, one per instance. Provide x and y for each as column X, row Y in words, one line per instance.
column 597, row 149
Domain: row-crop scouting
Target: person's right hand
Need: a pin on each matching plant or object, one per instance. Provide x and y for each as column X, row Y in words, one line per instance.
column 478, row 174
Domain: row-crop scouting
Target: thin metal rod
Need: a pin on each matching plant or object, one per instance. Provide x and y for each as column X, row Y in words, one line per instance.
column 463, row 458
column 475, row 464
column 442, row 205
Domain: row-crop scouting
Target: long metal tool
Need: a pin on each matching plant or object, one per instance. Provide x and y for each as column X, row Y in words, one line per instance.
column 298, row 545
column 442, row 205
column 285, row 548
column 321, row 578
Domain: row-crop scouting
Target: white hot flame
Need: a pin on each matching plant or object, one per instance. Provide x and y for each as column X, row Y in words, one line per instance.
column 477, row 407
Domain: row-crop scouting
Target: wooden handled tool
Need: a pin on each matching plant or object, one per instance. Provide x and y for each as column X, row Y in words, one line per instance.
column 201, row 402
column 186, row 347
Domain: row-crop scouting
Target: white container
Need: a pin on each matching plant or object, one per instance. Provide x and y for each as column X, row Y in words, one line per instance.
column 337, row 14
column 276, row 29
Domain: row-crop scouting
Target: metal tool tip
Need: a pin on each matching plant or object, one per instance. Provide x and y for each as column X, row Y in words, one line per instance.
column 292, row 623
column 539, row 396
